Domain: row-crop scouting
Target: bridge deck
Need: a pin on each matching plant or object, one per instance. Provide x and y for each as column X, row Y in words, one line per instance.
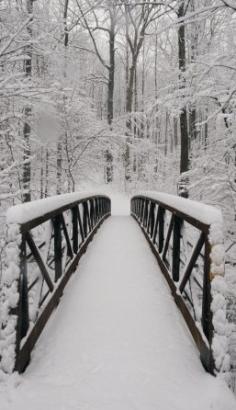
column 117, row 341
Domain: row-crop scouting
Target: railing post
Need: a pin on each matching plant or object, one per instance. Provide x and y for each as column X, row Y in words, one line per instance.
column 85, row 222
column 91, row 213
column 80, row 225
column 145, row 213
column 75, row 229
column 142, row 211
column 161, row 228
column 150, row 226
column 23, row 319
column 155, row 227
column 176, row 248
column 206, row 297
column 57, row 247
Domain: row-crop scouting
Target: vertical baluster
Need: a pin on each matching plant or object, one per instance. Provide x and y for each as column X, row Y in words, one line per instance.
column 84, row 220
column 23, row 291
column 142, row 211
column 146, row 213
column 206, row 297
column 207, row 357
column 75, row 232
column 139, row 210
column 150, row 226
column 57, row 246
column 176, row 248
column 89, row 215
column 151, row 229
column 161, row 228
column 80, row 225
column 99, row 208
column 92, row 213
column 156, row 221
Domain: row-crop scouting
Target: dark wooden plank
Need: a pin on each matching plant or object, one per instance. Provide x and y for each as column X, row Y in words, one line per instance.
column 206, row 296
column 23, row 291
column 85, row 219
column 161, row 229
column 176, row 248
column 80, row 225
column 154, row 235
column 75, row 234
column 57, row 246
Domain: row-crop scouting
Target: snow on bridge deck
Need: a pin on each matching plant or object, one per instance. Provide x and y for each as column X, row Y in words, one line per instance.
column 116, row 340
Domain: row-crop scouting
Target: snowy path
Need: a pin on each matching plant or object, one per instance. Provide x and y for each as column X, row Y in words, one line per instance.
column 116, row 341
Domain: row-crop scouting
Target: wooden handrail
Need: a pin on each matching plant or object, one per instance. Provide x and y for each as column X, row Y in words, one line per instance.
column 33, row 280
column 191, row 276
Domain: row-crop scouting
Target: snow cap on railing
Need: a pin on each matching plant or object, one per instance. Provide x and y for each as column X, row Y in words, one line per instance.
column 203, row 213
column 26, row 212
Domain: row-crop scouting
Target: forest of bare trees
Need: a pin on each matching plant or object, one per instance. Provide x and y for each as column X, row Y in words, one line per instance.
column 122, row 94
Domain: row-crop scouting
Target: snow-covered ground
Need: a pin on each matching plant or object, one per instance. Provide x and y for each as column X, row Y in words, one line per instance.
column 116, row 340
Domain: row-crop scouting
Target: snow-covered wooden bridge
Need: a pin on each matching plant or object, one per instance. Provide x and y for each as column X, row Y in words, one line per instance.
column 128, row 331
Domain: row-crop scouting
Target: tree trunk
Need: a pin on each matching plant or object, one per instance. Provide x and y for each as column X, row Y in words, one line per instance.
column 111, row 74
column 184, row 140
column 60, row 142
column 46, row 173
column 27, row 113
column 110, row 97
column 193, row 54
column 130, row 88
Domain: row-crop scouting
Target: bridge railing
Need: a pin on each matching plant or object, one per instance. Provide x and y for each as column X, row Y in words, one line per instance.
column 45, row 241
column 186, row 238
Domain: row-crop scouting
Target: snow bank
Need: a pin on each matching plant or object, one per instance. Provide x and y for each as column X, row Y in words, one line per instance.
column 221, row 337
column 26, row 212
column 204, row 213
column 9, row 297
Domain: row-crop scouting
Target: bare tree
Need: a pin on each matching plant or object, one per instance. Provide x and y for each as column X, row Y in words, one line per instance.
column 27, row 110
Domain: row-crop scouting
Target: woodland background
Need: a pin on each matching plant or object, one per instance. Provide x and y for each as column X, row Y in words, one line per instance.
column 130, row 95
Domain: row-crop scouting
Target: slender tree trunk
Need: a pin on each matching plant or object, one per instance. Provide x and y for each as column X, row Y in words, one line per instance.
column 193, row 54
column 111, row 74
column 46, row 173
column 41, row 173
column 110, row 97
column 130, row 88
column 59, row 168
column 175, row 126
column 184, row 140
column 60, row 142
column 27, row 113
